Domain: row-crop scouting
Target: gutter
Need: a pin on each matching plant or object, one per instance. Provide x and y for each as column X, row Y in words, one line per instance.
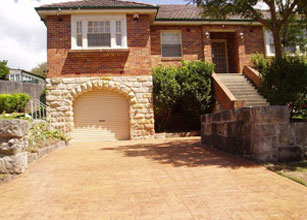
column 94, row 7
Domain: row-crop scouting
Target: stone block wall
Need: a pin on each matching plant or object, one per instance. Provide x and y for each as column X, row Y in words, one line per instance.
column 261, row 133
column 13, row 142
column 61, row 93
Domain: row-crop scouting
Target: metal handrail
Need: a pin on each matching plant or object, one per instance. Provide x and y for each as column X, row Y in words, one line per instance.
column 39, row 111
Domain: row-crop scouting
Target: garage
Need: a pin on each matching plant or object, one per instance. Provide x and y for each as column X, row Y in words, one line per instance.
column 101, row 115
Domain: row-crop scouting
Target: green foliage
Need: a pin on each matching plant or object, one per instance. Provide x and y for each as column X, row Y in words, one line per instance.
column 284, row 82
column 294, row 33
column 181, row 95
column 280, row 12
column 13, row 102
column 259, row 62
column 40, row 70
column 15, row 115
column 43, row 96
column 41, row 132
column 4, row 70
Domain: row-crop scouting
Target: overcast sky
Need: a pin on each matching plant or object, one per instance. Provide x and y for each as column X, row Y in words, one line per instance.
column 23, row 35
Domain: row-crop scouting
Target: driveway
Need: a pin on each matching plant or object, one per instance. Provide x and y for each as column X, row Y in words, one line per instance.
column 155, row 179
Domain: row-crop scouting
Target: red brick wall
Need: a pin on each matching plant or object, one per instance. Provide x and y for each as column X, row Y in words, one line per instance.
column 196, row 46
column 191, row 44
column 144, row 48
column 253, row 41
column 232, row 48
column 62, row 62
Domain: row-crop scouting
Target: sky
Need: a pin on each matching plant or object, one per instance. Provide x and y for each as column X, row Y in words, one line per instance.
column 23, row 35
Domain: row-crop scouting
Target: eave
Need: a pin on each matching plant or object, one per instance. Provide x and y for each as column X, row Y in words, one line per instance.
column 44, row 12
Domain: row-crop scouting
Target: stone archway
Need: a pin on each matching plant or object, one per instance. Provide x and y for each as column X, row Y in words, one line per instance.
column 110, row 86
column 62, row 92
column 101, row 84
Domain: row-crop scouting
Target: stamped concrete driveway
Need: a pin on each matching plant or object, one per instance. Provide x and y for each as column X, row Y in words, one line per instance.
column 158, row 179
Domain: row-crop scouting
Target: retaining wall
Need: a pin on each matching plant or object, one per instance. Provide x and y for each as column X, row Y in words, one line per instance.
column 261, row 133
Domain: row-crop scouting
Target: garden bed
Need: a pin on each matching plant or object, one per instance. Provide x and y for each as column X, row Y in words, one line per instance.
column 36, row 153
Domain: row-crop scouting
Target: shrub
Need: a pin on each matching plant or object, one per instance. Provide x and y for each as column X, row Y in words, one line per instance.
column 43, row 97
column 13, row 102
column 284, row 82
column 259, row 62
column 181, row 95
column 4, row 70
column 41, row 134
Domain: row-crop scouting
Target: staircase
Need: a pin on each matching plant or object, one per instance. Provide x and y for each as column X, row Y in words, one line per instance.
column 242, row 89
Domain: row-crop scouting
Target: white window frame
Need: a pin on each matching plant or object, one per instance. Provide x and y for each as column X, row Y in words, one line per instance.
column 267, row 35
column 180, row 36
column 86, row 18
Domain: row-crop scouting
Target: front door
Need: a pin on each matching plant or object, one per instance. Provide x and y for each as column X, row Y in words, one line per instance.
column 219, row 56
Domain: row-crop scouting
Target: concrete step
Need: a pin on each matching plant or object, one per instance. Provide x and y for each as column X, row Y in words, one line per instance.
column 242, row 89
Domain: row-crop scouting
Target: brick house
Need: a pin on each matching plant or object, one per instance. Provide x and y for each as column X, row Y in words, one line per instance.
column 101, row 52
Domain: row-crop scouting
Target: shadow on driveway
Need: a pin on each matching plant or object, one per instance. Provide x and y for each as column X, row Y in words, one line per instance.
column 181, row 152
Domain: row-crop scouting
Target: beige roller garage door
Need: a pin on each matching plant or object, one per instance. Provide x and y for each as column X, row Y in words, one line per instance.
column 101, row 115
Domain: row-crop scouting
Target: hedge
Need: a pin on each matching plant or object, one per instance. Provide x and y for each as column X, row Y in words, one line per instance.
column 16, row 102
column 181, row 95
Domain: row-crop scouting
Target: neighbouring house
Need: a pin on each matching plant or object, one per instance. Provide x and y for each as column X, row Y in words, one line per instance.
column 270, row 48
column 101, row 52
column 19, row 75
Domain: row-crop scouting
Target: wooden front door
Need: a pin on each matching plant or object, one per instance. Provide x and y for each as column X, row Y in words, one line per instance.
column 219, row 56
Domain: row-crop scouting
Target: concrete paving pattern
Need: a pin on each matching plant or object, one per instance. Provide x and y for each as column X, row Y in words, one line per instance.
column 171, row 179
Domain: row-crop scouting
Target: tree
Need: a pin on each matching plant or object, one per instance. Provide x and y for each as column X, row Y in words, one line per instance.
column 294, row 33
column 40, row 70
column 279, row 10
column 4, row 70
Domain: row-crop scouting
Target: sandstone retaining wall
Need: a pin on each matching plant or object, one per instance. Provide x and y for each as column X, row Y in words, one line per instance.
column 261, row 133
column 13, row 142
column 61, row 93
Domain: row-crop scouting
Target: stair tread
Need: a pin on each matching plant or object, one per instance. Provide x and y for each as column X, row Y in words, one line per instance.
column 242, row 89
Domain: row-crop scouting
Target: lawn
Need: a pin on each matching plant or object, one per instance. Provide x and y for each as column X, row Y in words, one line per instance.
column 296, row 171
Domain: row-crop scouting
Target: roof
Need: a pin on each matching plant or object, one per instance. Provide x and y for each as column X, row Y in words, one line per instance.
column 29, row 73
column 95, row 4
column 171, row 12
column 187, row 12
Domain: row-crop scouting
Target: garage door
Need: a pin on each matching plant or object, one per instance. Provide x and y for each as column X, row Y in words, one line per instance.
column 101, row 115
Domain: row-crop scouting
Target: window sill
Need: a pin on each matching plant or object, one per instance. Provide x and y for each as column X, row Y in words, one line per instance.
column 114, row 50
column 171, row 58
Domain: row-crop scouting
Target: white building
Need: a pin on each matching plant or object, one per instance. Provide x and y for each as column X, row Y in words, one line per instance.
column 270, row 48
column 19, row 75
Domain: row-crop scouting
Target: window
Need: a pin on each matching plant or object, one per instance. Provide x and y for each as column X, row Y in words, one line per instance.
column 79, row 34
column 269, row 43
column 171, row 43
column 118, row 33
column 99, row 32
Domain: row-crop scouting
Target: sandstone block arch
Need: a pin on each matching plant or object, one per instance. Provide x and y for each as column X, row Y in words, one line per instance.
column 61, row 94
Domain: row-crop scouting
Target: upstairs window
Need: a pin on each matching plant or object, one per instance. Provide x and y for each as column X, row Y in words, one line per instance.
column 171, row 44
column 118, row 33
column 79, row 35
column 99, row 32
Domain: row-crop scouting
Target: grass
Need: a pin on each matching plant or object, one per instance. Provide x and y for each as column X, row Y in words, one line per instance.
column 296, row 171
